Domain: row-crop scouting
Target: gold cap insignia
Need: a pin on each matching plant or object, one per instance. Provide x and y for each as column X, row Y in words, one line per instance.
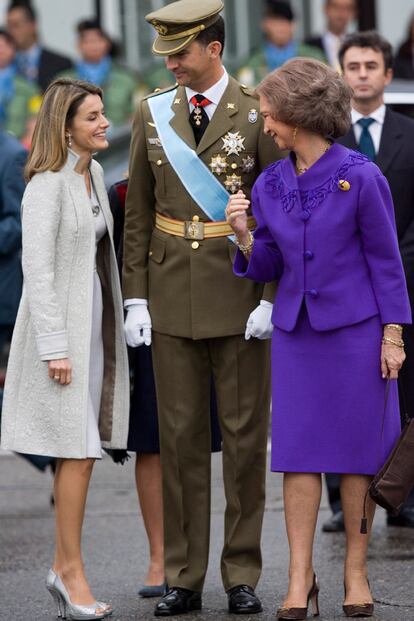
column 160, row 28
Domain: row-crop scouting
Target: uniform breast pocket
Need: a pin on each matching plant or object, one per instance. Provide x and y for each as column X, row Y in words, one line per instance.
column 165, row 178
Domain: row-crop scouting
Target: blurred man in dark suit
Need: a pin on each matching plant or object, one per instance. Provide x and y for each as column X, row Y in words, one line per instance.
column 339, row 14
column 387, row 138
column 34, row 62
column 12, row 161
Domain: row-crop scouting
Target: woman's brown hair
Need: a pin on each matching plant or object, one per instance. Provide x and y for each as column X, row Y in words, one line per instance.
column 307, row 93
column 60, row 103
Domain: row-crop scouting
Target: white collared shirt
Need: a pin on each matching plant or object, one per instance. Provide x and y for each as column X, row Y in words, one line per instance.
column 214, row 94
column 375, row 129
column 331, row 44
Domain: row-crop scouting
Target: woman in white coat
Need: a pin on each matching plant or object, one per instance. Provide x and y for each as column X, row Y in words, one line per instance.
column 66, row 392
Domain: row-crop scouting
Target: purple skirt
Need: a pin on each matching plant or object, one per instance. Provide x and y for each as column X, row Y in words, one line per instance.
column 328, row 400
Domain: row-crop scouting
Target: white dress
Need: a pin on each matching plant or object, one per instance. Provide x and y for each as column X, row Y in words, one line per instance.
column 96, row 364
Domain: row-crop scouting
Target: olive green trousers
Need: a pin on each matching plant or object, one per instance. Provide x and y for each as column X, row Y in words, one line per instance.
column 241, row 371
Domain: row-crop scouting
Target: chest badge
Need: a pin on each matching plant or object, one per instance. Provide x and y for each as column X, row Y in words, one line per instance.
column 253, row 115
column 233, row 143
column 248, row 163
column 156, row 142
column 231, row 106
column 233, row 183
column 218, row 164
column 344, row 185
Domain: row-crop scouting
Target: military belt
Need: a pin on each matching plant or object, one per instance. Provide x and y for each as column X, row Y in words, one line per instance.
column 196, row 230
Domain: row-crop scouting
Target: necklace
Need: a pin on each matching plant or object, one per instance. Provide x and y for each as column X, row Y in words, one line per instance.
column 301, row 170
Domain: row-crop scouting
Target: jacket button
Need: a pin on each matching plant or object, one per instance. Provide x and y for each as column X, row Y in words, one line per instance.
column 159, row 162
column 304, row 215
column 313, row 293
column 196, row 219
column 195, row 245
column 308, row 254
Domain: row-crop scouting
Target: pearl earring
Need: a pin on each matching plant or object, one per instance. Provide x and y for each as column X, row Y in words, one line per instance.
column 69, row 140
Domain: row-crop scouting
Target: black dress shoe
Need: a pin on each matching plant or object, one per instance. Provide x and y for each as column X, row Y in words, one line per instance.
column 335, row 524
column 178, row 601
column 243, row 600
column 405, row 518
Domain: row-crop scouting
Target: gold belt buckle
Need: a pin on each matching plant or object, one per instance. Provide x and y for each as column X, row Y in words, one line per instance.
column 193, row 230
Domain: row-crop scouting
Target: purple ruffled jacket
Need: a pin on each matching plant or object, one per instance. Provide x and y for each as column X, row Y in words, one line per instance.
column 335, row 249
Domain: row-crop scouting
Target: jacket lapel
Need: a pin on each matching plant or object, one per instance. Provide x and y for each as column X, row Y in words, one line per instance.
column 349, row 140
column 180, row 122
column 221, row 121
column 390, row 142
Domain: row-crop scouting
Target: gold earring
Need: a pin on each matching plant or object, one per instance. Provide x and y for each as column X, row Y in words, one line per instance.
column 295, row 133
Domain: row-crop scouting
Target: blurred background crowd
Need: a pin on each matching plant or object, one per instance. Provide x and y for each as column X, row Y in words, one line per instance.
column 108, row 43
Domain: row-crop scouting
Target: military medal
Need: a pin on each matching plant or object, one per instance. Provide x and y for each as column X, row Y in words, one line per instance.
column 253, row 116
column 233, row 183
column 218, row 164
column 248, row 163
column 233, row 143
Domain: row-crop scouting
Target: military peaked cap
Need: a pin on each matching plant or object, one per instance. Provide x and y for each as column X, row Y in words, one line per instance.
column 179, row 23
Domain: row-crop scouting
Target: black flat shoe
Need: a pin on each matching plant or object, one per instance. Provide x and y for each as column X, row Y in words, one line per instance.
column 334, row 524
column 243, row 600
column 178, row 601
column 404, row 519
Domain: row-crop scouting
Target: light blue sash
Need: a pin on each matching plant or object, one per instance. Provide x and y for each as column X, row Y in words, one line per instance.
column 197, row 179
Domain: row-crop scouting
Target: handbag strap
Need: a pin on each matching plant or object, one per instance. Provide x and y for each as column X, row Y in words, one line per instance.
column 407, row 417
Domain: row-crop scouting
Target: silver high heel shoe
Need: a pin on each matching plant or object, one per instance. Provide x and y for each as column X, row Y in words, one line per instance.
column 68, row 610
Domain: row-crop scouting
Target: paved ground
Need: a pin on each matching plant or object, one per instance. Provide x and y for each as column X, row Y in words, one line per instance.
column 116, row 553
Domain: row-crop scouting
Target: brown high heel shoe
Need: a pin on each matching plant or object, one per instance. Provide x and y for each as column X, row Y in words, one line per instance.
column 299, row 614
column 358, row 610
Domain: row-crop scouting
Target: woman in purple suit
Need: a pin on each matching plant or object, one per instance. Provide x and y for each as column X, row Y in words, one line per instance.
column 326, row 230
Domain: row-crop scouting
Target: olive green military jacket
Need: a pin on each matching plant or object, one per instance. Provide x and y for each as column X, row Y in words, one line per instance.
column 192, row 292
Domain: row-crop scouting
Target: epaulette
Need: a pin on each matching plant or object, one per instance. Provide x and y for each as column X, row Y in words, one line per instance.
column 248, row 91
column 160, row 91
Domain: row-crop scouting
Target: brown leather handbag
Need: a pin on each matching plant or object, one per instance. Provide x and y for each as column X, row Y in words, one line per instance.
column 392, row 484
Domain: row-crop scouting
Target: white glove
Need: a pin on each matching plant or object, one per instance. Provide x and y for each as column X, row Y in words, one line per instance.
column 259, row 323
column 138, row 325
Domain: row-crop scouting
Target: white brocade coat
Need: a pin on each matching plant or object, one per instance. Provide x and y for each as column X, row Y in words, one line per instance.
column 54, row 321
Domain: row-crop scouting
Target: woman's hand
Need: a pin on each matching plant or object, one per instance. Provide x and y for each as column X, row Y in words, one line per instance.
column 392, row 358
column 236, row 216
column 60, row 371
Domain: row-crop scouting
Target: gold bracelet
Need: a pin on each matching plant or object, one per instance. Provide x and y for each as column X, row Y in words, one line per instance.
column 246, row 248
column 394, row 326
column 386, row 339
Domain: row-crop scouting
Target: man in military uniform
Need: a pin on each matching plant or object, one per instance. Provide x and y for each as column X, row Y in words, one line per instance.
column 192, row 145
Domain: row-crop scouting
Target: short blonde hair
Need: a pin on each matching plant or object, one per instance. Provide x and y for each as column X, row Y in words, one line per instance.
column 308, row 94
column 60, row 103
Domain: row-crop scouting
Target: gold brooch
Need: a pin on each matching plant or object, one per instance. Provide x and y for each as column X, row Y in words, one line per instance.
column 344, row 185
